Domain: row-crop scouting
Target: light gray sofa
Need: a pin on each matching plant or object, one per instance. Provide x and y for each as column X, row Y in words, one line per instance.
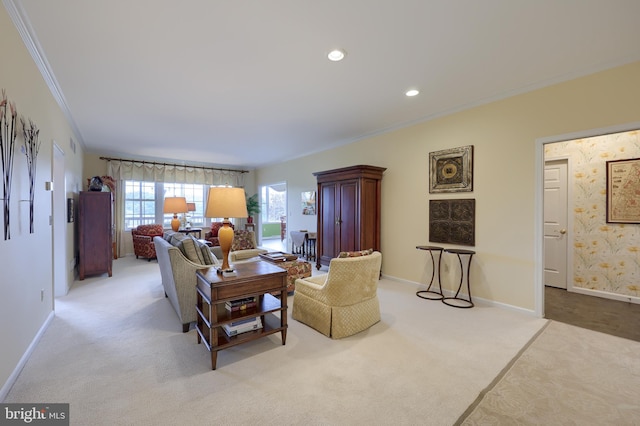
column 179, row 257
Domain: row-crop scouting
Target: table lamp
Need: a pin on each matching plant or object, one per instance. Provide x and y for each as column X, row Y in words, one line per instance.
column 187, row 217
column 175, row 205
column 226, row 202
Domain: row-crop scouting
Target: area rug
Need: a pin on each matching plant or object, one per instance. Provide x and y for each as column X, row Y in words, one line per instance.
column 566, row 376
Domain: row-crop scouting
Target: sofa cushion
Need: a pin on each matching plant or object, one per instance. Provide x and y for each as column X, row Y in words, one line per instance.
column 243, row 240
column 188, row 245
column 344, row 254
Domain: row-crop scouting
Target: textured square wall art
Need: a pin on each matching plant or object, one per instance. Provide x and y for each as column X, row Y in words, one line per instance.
column 451, row 170
column 452, row 221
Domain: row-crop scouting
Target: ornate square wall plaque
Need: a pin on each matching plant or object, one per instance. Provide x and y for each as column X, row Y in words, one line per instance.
column 452, row 221
column 451, row 170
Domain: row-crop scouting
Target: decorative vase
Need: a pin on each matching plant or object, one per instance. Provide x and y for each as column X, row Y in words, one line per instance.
column 250, row 219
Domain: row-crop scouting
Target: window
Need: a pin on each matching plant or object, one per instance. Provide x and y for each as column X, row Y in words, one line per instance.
column 139, row 203
column 144, row 203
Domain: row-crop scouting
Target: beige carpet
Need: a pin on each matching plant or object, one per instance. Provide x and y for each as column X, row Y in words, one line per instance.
column 567, row 376
column 116, row 353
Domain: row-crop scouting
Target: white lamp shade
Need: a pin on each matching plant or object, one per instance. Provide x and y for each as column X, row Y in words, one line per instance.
column 226, row 202
column 175, row 205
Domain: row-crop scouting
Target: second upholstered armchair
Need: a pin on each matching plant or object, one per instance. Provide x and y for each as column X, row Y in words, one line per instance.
column 143, row 240
column 344, row 301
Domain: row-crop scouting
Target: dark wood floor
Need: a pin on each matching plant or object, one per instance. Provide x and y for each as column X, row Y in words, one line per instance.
column 613, row 317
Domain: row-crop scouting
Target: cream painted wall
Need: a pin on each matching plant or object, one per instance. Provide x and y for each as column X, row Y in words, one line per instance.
column 26, row 260
column 504, row 135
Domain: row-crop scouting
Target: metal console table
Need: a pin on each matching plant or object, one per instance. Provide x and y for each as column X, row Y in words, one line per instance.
column 455, row 300
column 428, row 293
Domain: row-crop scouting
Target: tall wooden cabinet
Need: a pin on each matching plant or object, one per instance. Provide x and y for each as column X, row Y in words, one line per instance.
column 348, row 211
column 95, row 231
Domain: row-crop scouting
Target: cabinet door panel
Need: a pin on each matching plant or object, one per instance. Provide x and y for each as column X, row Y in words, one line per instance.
column 326, row 225
column 349, row 212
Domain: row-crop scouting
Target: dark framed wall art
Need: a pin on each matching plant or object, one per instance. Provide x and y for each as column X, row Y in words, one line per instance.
column 452, row 221
column 451, row 170
column 623, row 187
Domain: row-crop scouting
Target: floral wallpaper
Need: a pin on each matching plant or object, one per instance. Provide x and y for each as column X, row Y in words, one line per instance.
column 606, row 256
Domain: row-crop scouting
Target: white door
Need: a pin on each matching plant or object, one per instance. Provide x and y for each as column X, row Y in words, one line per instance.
column 555, row 223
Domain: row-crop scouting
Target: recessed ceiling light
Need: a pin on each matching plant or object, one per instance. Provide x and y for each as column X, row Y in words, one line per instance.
column 336, row 55
column 412, row 92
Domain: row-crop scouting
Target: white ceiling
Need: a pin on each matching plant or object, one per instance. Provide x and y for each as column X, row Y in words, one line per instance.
column 246, row 82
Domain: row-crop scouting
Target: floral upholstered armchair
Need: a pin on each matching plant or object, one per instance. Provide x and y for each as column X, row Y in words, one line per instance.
column 143, row 240
column 212, row 236
column 344, row 301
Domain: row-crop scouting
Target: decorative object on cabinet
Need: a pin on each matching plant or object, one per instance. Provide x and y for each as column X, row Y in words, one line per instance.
column 142, row 236
column 452, row 221
column 623, row 187
column 8, row 133
column 349, row 201
column 96, row 184
column 71, row 210
column 451, row 170
column 253, row 207
column 175, row 205
column 344, row 301
column 226, row 202
column 95, row 231
column 309, row 203
column 30, row 149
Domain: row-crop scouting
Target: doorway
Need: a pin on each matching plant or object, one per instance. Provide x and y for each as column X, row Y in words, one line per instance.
column 580, row 155
column 273, row 216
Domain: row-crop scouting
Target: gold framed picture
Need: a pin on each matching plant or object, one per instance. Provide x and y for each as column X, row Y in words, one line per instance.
column 451, row 170
column 623, row 187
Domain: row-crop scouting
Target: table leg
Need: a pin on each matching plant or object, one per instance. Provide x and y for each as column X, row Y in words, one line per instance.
column 428, row 293
column 468, row 303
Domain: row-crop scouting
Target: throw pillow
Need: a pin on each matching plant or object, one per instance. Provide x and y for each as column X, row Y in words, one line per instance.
column 344, row 254
column 188, row 245
column 243, row 240
column 208, row 257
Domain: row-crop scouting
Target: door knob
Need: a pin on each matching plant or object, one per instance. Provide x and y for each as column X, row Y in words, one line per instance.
column 563, row 231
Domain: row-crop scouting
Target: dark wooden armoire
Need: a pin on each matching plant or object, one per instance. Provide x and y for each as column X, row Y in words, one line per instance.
column 95, row 231
column 348, row 211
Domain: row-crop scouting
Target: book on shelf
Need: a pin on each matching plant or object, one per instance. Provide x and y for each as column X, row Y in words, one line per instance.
column 241, row 304
column 242, row 326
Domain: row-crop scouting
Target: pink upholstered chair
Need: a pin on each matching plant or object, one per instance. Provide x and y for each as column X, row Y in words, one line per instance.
column 143, row 240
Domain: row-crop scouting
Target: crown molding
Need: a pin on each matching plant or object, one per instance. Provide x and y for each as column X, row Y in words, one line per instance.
column 22, row 24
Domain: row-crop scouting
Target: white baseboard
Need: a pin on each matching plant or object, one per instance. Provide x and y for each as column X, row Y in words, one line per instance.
column 25, row 357
column 476, row 300
column 605, row 295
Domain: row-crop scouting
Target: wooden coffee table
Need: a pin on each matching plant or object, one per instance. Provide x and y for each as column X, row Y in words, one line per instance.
column 252, row 279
